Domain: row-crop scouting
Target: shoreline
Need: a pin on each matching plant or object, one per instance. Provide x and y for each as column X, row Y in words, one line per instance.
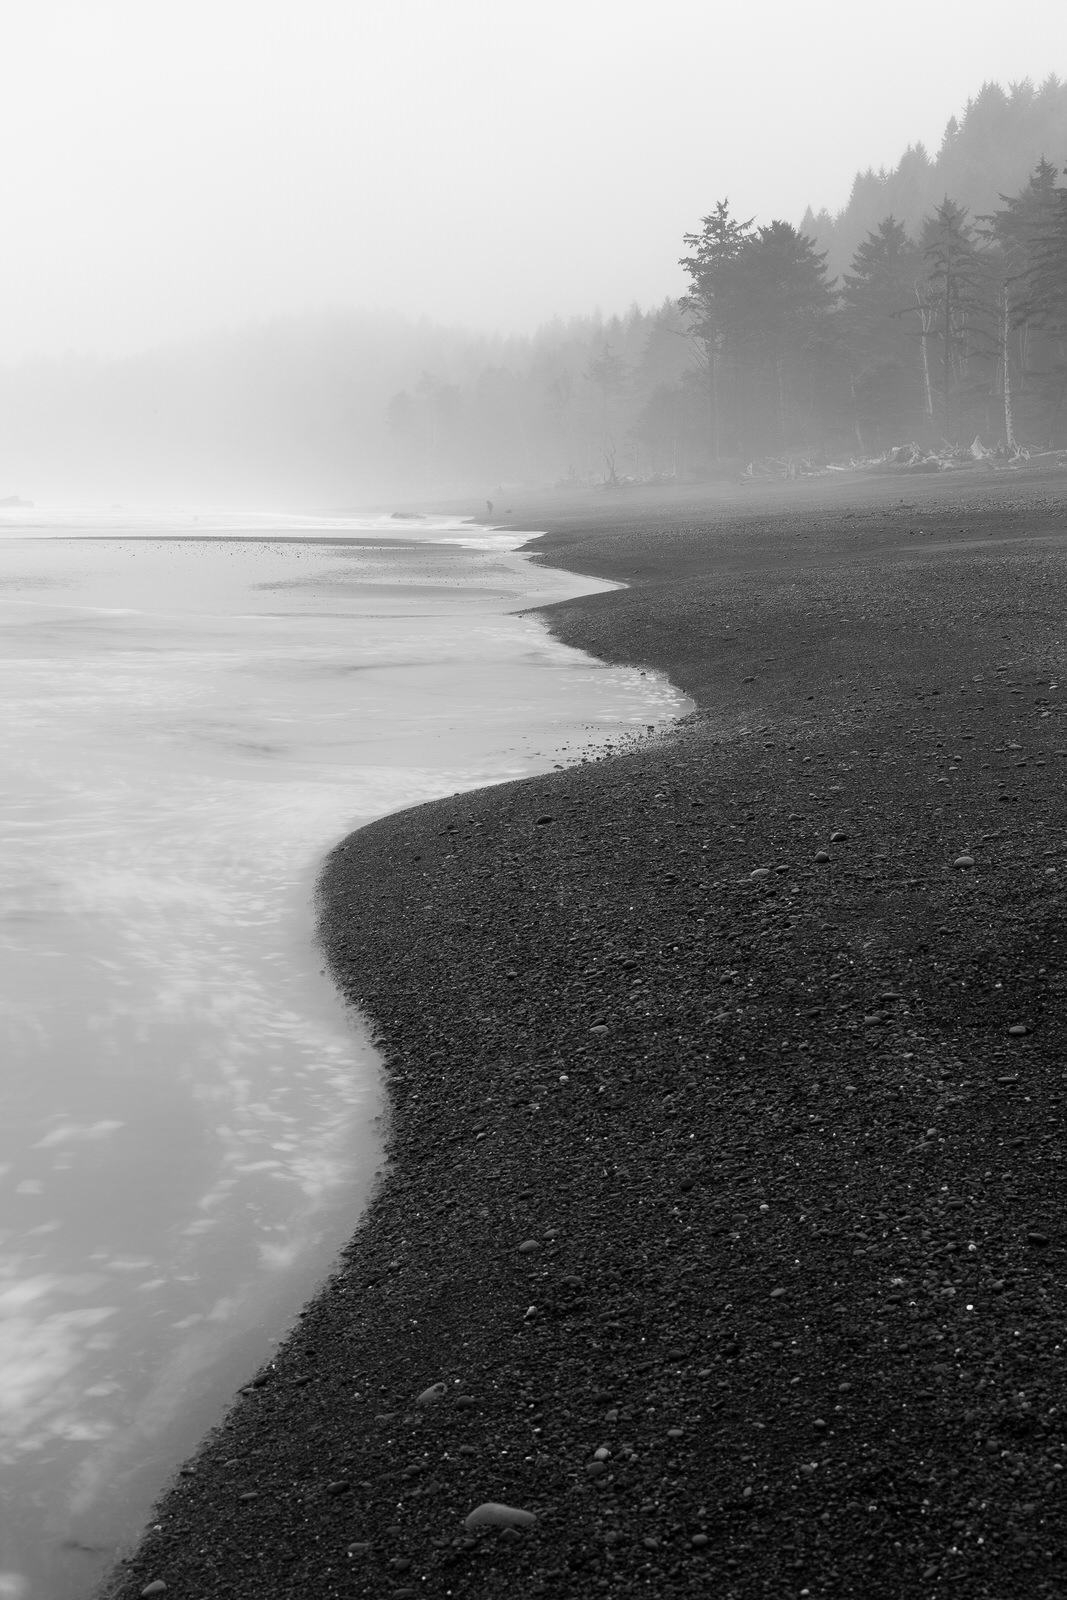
column 686, row 1164
column 284, row 696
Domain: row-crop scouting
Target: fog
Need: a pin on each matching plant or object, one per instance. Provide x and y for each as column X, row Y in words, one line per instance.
column 235, row 233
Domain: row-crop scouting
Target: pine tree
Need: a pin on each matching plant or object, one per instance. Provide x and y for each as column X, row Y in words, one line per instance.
column 1018, row 234
column 1046, row 296
column 1045, row 308
column 953, row 295
column 882, row 352
column 719, row 243
column 774, row 304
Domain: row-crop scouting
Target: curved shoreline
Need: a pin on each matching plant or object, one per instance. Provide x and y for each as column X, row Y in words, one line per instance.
column 752, row 1196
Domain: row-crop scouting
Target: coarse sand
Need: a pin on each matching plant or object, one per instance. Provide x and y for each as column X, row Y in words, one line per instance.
column 724, row 1223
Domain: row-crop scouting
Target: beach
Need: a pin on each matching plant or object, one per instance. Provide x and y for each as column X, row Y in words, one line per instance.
column 723, row 1223
column 195, row 710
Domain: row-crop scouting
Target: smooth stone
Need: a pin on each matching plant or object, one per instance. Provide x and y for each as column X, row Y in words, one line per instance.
column 963, row 861
column 157, row 1586
column 430, row 1396
column 1035, row 1237
column 491, row 1514
column 528, row 1246
column 760, row 872
column 837, row 835
column 1017, row 1029
column 822, row 855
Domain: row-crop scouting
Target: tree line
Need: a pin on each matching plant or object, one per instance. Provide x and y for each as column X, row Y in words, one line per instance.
column 957, row 333
column 932, row 309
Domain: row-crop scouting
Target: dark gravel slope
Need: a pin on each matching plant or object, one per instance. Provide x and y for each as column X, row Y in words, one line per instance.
column 728, row 1140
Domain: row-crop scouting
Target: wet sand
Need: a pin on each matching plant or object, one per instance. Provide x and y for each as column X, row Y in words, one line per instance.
column 727, row 1131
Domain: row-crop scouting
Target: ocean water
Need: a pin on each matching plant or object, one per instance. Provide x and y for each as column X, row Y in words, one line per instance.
column 194, row 709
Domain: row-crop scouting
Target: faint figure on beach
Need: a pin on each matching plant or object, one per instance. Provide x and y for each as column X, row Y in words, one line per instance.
column 489, row 507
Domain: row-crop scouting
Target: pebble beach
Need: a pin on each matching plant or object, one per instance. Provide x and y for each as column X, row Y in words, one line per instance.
column 721, row 1247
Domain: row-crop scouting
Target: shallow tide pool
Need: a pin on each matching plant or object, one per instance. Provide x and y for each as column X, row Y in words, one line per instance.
column 193, row 712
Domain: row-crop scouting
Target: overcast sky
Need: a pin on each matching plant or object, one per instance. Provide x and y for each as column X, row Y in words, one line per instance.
column 173, row 166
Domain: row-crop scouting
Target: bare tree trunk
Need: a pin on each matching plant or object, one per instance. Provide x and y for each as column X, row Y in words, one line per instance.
column 946, row 365
column 928, row 393
column 1005, row 356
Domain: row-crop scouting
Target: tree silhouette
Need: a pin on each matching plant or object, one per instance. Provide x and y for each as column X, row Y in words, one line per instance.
column 774, row 302
column 954, row 295
column 1020, row 235
column 719, row 243
column 882, row 354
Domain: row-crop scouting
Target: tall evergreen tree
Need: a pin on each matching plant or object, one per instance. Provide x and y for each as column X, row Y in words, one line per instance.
column 954, row 297
column 1046, row 307
column 775, row 302
column 1019, row 234
column 1046, row 298
column 719, row 243
column 882, row 352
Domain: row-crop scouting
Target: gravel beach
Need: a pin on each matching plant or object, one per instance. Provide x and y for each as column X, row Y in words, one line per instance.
column 724, row 1225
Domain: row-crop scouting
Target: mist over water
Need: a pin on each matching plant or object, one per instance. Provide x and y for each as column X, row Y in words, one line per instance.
column 194, row 712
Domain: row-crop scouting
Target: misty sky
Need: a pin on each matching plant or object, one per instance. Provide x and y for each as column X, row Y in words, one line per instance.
column 174, row 166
